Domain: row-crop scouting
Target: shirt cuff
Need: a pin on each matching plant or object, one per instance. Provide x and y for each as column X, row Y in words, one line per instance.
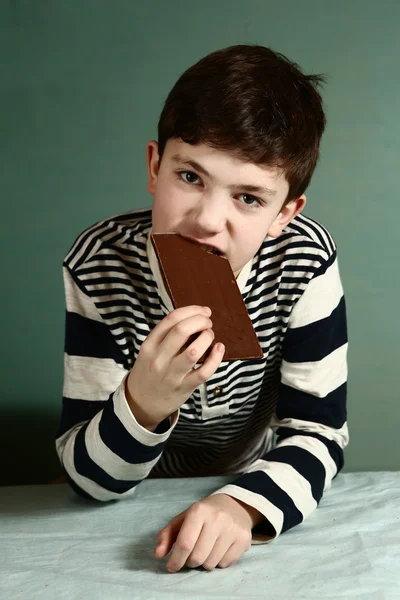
column 267, row 530
column 143, row 435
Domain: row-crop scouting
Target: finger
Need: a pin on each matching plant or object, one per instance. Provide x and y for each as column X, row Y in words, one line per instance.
column 177, row 337
column 167, row 536
column 233, row 553
column 198, row 376
column 158, row 334
column 165, row 541
column 188, row 357
column 185, row 542
column 204, row 546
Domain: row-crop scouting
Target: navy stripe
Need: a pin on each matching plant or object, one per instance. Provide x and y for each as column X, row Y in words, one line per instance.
column 86, row 467
column 333, row 448
column 77, row 489
column 317, row 340
column 261, row 483
column 129, row 266
column 305, row 463
column 87, row 337
column 316, row 228
column 104, row 268
column 108, row 227
column 136, row 217
column 330, row 410
column 113, row 227
column 110, row 280
column 126, row 251
column 82, row 238
column 289, row 239
column 77, row 411
column 325, row 266
column 121, row 442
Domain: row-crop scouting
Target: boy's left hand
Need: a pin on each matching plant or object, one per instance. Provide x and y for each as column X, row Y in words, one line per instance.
column 215, row 531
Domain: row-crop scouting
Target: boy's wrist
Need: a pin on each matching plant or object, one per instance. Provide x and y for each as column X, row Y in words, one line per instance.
column 254, row 514
column 140, row 415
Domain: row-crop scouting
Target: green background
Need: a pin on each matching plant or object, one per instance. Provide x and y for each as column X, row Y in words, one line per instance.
column 82, row 86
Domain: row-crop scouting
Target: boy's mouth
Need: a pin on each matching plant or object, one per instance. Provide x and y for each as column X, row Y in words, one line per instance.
column 207, row 247
column 211, row 249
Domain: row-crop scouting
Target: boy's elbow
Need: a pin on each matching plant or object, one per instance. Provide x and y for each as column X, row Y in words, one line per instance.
column 84, row 494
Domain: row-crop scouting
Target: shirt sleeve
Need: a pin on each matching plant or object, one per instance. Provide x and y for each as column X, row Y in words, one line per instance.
column 104, row 451
column 287, row 483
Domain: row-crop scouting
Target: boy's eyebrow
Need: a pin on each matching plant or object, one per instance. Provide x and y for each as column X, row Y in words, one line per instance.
column 246, row 187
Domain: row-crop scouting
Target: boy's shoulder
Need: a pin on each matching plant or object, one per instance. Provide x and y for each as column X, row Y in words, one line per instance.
column 119, row 230
column 308, row 233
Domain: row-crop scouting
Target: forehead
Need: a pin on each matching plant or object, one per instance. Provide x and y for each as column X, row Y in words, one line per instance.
column 225, row 167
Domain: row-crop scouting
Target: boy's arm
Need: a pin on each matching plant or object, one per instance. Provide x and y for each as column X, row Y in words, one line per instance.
column 287, row 483
column 104, row 451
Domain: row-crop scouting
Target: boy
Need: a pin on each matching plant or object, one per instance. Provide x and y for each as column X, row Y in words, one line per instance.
column 238, row 142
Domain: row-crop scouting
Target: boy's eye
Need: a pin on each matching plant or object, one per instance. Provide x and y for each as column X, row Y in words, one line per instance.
column 188, row 176
column 250, row 200
column 192, row 178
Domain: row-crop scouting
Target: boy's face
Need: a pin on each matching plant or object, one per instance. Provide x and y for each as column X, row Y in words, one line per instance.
column 208, row 195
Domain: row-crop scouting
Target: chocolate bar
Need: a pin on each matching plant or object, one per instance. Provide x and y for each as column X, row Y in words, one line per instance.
column 194, row 275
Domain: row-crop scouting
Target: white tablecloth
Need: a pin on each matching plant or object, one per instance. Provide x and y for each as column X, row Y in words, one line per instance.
column 54, row 545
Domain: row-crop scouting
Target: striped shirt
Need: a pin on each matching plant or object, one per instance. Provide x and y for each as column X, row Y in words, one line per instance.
column 276, row 424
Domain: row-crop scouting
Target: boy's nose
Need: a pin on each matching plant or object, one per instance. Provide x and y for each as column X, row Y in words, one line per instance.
column 210, row 218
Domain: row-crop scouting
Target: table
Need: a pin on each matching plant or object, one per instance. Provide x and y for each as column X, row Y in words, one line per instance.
column 55, row 545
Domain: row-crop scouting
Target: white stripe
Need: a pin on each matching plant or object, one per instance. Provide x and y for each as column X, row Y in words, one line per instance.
column 317, row 449
column 93, row 278
column 90, row 487
column 111, row 262
column 89, row 378
column 62, row 440
column 323, row 231
column 290, row 481
column 70, row 254
column 110, row 462
column 340, row 436
column 320, row 298
column 264, row 506
column 318, row 378
column 93, row 287
column 76, row 301
column 310, row 226
column 97, row 234
column 101, row 237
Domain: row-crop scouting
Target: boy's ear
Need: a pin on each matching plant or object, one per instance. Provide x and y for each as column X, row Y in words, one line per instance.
column 287, row 214
column 152, row 159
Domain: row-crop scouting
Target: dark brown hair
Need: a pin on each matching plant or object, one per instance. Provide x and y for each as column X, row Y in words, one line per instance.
column 254, row 103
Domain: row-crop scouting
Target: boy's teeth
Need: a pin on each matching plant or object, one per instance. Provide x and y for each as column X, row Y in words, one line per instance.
column 210, row 249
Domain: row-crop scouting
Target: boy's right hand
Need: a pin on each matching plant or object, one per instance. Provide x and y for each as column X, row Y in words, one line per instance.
column 163, row 377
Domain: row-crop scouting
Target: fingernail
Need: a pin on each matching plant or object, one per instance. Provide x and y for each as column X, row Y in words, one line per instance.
column 207, row 309
column 171, row 569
